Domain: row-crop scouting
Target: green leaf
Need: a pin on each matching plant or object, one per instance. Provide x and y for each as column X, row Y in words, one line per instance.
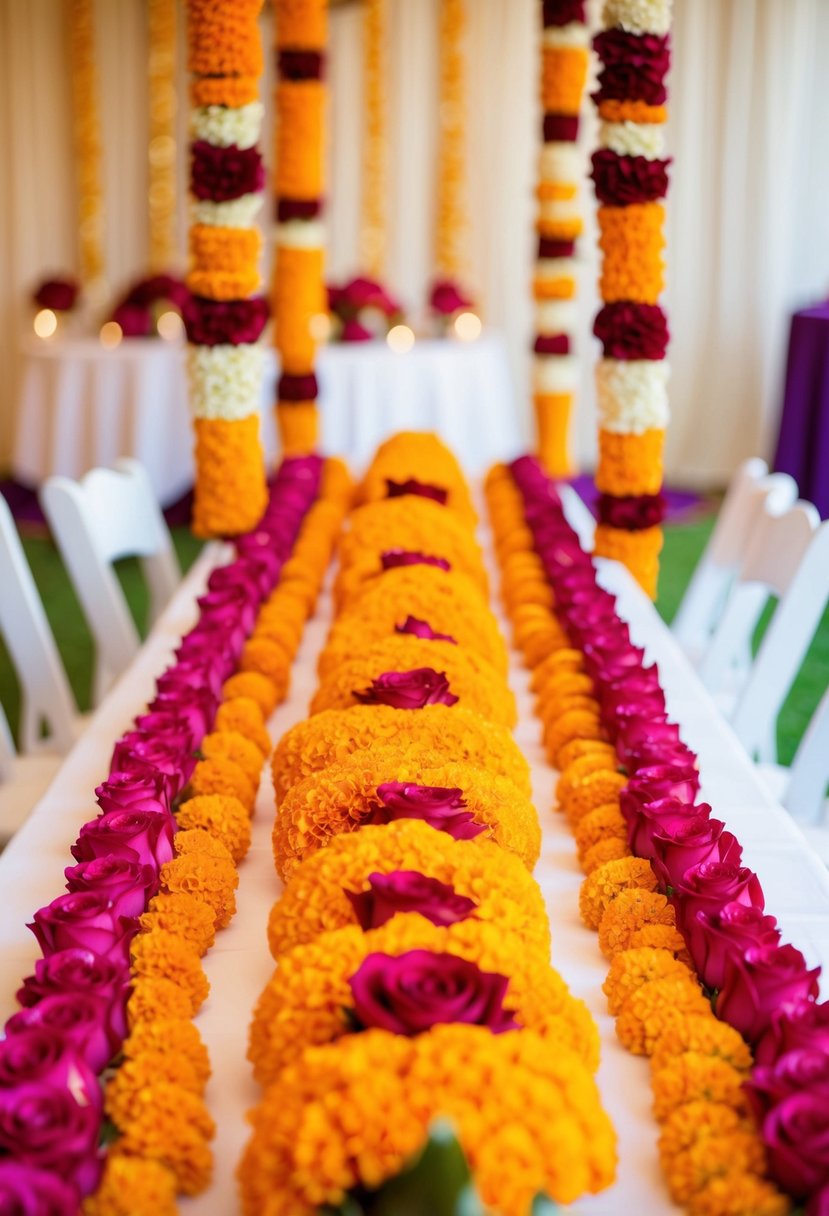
column 542, row 1206
column 438, row 1183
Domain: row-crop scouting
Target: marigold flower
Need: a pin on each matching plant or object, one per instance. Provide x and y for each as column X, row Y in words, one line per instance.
column 706, row 1035
column 691, row 1170
column 627, row 913
column 170, row 1125
column 660, row 937
column 566, row 659
column 223, row 816
column 337, row 799
column 254, row 685
column 132, row 1186
column 315, row 898
column 632, row 239
column 597, row 789
column 352, row 1113
column 603, row 885
column 695, row 1122
column 334, row 734
column 285, row 634
column 183, row 915
column 244, row 714
column 297, row 296
column 230, row 492
column 537, row 645
column 161, row 953
column 585, row 747
column 224, row 41
column 638, row 550
column 631, row 969
column 630, row 464
column 563, row 79
column 177, row 1036
column 220, row 775
column 147, row 1069
column 612, row 848
column 739, row 1194
column 307, row 1000
column 642, row 1018
column 268, row 658
column 224, row 266
column 692, row 1077
column 631, row 110
column 188, row 841
column 599, row 824
column 575, row 724
column 300, row 106
column 558, row 686
column 211, row 879
column 231, row 91
column 301, row 24
column 234, row 746
column 152, row 997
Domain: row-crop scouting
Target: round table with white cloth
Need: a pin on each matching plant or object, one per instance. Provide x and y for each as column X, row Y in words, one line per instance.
column 82, row 405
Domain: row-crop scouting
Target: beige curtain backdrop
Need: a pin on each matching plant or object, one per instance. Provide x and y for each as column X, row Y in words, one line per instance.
column 748, row 227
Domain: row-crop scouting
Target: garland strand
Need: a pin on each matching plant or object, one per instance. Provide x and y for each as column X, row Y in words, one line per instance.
column 373, row 202
column 224, row 320
column 631, row 180
column 298, row 288
column 565, row 58
column 86, row 127
column 161, row 24
column 452, row 208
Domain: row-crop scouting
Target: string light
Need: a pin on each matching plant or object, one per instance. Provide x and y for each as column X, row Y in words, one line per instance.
column 467, row 326
column 110, row 335
column 400, row 339
column 45, row 323
column 170, row 326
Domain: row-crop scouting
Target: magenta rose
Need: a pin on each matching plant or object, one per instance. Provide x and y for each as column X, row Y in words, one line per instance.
column 446, row 297
column 409, row 993
column 137, row 752
column 254, row 572
column 190, row 674
column 661, row 815
column 679, row 847
column 622, row 180
column 224, row 322
column 802, row 1068
column 79, row 1018
column 763, row 979
column 128, row 885
column 142, row 836
column 408, row 891
column 130, row 792
column 796, row 1135
column 60, row 295
column 82, row 972
column 628, row 330
column 390, row 559
column 732, row 930
column 196, row 708
column 221, row 174
column 28, row 1191
column 157, row 287
column 420, row 489
column 413, row 689
column 818, row 1204
column 52, row 1130
column 708, row 888
column 232, row 606
column 135, row 320
column 422, row 629
column 442, row 808
column 353, row 331
column 85, row 920
column 39, row 1054
column 642, row 744
column 802, row 1024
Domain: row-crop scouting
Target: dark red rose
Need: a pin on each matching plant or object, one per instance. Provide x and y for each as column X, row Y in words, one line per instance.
column 297, row 388
column 224, row 322
column 622, row 180
column 222, row 174
column 158, row 287
column 421, row 489
column 51, row 1129
column 734, row 929
column 629, row 330
column 563, row 12
column 413, row 689
column 634, row 67
column 818, row 1204
column 408, row 891
column 61, row 295
column 135, row 320
column 353, row 331
column 409, row 993
column 28, row 1191
column 297, row 209
column 559, row 128
column 447, row 297
column 632, row 513
column 444, row 809
column 548, row 247
column 552, row 344
column 803, row 1024
column 300, row 64
column 390, row 559
column 761, row 981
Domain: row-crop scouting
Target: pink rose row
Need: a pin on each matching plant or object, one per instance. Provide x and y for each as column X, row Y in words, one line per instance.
column 759, row 986
column 73, row 1017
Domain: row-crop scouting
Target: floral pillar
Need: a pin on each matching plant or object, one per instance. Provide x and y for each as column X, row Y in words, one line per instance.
column 86, row 125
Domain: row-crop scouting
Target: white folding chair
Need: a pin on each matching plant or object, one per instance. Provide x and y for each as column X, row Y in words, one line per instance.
column 751, row 492
column 48, row 716
column 110, row 514
column 802, row 787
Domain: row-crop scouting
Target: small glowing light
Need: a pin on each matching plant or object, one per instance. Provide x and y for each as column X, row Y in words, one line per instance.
column 319, row 327
column 111, row 334
column 170, row 326
column 467, row 326
column 400, row 339
column 45, row 323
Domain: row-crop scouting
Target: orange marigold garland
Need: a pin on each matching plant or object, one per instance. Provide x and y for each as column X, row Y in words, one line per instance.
column 564, row 63
column 298, row 299
column 161, row 193
column 223, row 319
column 86, row 123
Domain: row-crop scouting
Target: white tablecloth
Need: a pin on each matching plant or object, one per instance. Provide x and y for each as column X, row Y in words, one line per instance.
column 82, row 405
column 796, row 885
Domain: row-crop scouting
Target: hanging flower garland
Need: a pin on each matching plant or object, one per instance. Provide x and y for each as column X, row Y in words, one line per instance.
column 451, row 231
column 565, row 60
column 161, row 23
column 298, row 290
column 373, row 202
column 631, row 181
column 225, row 361
column 86, row 123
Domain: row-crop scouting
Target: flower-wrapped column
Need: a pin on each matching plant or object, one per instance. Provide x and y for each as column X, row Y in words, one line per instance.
column 224, row 320
column 298, row 289
column 86, row 123
column 630, row 176
column 564, row 73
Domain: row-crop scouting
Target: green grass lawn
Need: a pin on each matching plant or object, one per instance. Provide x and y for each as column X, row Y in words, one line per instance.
column 683, row 544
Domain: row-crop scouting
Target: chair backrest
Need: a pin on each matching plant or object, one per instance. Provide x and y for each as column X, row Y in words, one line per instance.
column 803, row 587
column 7, row 748
column 809, row 775
column 45, row 694
column 109, row 514
column 751, row 492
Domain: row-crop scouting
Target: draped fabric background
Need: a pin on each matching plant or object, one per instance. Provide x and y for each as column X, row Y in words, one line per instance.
column 748, row 225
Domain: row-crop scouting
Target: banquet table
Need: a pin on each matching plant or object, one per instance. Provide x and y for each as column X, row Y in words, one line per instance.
column 803, row 439
column 239, row 965
column 82, row 405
